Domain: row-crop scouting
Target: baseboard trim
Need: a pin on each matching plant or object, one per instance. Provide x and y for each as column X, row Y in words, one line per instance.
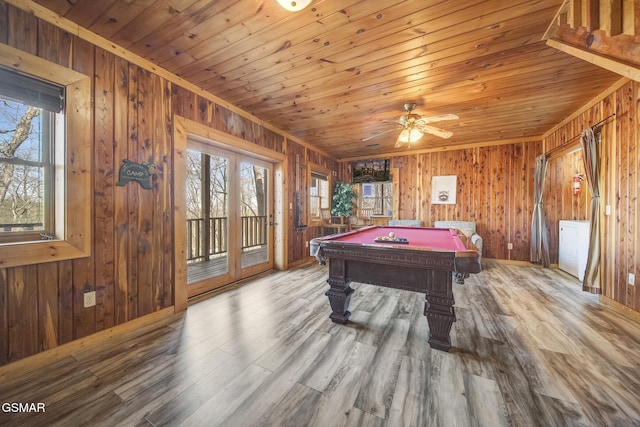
column 620, row 307
column 31, row 363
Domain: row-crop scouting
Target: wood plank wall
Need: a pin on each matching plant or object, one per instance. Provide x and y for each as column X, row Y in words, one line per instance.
column 41, row 306
column 495, row 190
column 620, row 164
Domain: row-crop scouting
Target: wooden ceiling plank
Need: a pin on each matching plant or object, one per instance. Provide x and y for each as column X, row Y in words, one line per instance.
column 212, row 37
column 455, row 73
column 156, row 16
column 415, row 39
column 118, row 16
column 427, row 67
column 425, row 64
column 86, row 12
column 61, row 7
column 272, row 29
column 285, row 42
column 154, row 45
column 341, row 38
column 438, row 45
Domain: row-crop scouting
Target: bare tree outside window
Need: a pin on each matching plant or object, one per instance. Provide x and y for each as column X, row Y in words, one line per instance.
column 24, row 161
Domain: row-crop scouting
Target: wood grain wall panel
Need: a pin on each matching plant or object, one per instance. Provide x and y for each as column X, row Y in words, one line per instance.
column 493, row 183
column 23, row 30
column 610, row 170
column 121, row 206
column 53, row 45
column 296, row 177
column 47, row 283
column 635, row 225
column 104, row 193
column 163, row 188
column 22, row 303
column 132, row 194
column 620, row 167
column 84, row 319
column 143, row 148
column 65, row 302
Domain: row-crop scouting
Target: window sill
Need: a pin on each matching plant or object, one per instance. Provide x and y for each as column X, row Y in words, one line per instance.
column 27, row 253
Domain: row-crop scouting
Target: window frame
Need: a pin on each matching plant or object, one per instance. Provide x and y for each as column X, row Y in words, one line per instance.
column 49, row 122
column 72, row 164
column 318, row 170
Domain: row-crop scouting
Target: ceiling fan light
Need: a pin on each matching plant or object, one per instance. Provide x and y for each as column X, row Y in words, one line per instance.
column 409, row 135
column 294, row 5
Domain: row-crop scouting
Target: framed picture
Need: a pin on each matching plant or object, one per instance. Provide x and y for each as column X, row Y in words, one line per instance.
column 371, row 171
column 443, row 190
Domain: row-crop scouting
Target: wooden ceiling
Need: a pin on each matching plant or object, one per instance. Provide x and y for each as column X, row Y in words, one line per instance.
column 341, row 70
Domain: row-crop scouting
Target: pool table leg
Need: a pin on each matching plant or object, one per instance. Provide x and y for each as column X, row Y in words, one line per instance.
column 339, row 292
column 439, row 310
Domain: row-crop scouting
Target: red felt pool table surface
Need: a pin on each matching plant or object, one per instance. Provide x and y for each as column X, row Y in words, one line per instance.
column 441, row 239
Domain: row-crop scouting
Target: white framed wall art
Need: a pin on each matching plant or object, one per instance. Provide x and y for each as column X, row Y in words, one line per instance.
column 443, row 190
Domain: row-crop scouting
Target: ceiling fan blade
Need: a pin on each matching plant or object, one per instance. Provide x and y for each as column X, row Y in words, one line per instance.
column 436, row 131
column 438, row 118
column 377, row 135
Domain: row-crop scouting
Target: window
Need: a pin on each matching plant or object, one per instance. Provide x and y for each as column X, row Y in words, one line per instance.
column 376, row 199
column 55, row 155
column 318, row 194
column 29, row 110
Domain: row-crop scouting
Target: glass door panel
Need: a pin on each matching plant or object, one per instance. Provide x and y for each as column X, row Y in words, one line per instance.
column 254, row 214
column 207, row 195
column 229, row 217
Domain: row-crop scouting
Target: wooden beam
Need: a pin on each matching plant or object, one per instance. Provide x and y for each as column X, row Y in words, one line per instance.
column 618, row 67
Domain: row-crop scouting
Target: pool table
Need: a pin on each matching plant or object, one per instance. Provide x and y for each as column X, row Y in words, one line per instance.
column 415, row 259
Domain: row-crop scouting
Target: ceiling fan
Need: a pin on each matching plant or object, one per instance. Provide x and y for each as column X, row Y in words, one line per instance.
column 414, row 126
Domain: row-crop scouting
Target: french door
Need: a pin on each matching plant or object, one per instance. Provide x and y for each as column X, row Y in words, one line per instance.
column 229, row 216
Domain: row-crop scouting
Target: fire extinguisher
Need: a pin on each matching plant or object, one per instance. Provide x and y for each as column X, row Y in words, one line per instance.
column 576, row 184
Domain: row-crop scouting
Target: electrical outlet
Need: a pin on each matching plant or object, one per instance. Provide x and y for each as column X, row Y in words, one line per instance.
column 89, row 299
column 632, row 279
column 509, row 246
column 306, row 244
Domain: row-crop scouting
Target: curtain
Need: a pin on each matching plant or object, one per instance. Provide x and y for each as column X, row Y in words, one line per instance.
column 591, row 282
column 539, row 246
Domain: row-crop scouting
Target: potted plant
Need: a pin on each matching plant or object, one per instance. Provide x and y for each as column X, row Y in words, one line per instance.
column 343, row 199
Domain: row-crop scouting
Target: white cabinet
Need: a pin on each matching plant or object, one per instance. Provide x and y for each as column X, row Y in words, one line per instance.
column 573, row 247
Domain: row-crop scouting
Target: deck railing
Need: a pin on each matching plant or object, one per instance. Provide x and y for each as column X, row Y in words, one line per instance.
column 254, row 231
column 207, row 238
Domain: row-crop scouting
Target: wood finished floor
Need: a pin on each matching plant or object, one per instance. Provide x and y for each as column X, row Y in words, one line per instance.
column 530, row 349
